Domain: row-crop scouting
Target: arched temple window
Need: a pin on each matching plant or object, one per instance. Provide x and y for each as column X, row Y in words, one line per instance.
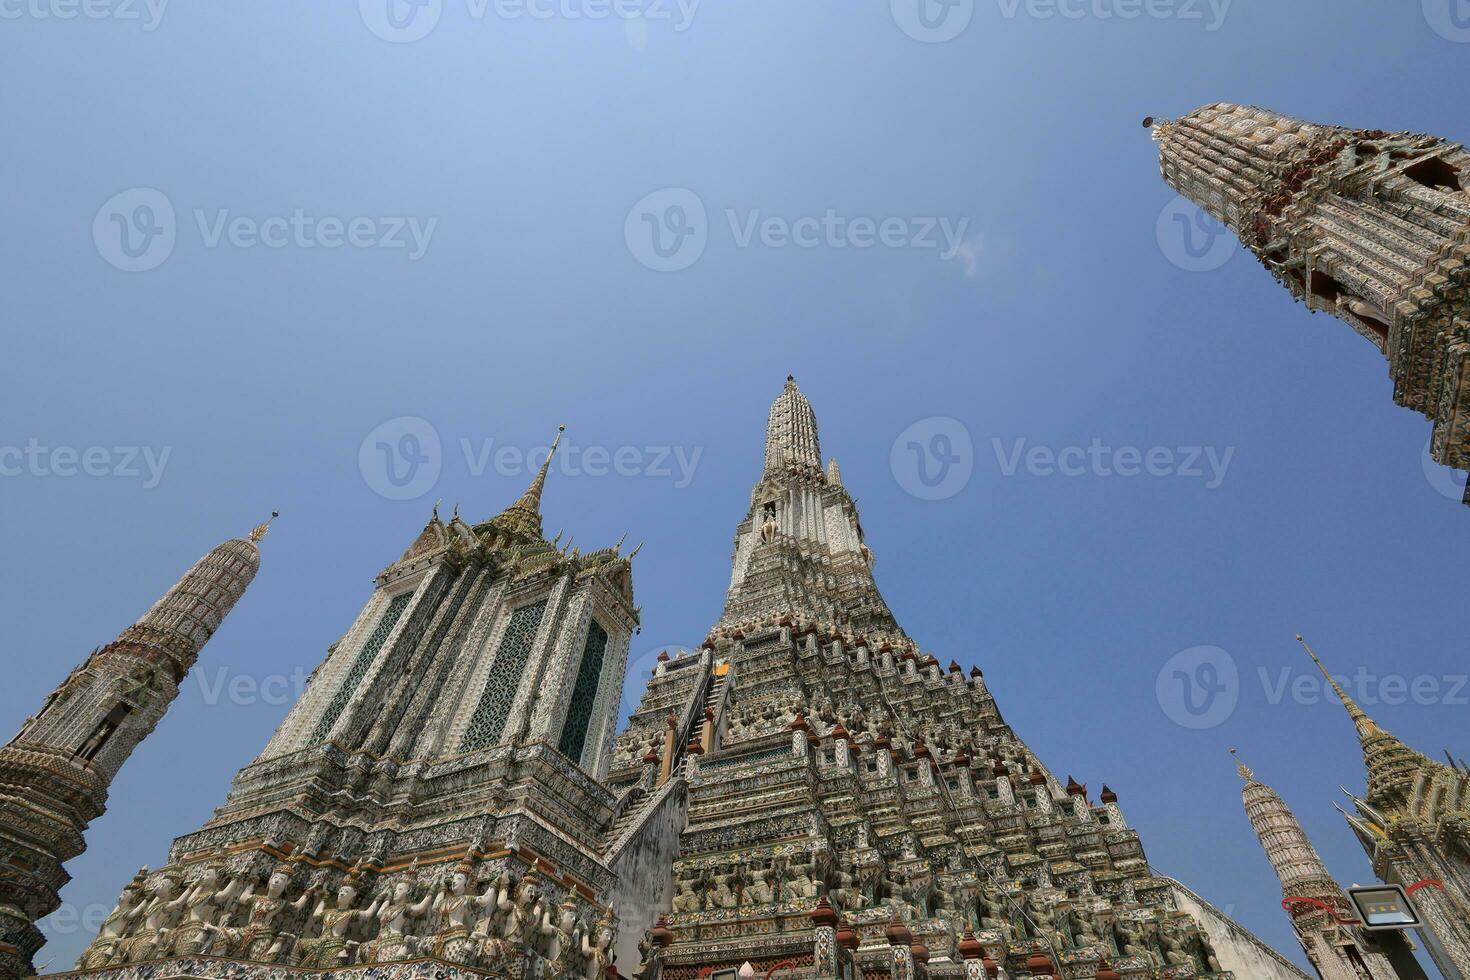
column 104, row 731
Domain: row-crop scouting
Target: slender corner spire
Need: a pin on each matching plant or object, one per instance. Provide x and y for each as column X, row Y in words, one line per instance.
column 1391, row 765
column 524, row 516
column 260, row 530
column 1366, row 725
column 531, row 499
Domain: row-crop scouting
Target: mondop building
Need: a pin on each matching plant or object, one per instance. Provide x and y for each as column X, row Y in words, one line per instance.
column 809, row 793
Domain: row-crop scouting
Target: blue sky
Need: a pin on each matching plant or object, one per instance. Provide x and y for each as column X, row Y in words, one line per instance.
column 454, row 236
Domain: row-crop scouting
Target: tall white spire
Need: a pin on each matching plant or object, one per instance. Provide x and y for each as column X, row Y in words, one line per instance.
column 791, row 433
column 1318, row 908
column 54, row 775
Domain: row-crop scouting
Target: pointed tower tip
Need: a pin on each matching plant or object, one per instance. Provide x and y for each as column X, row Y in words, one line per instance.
column 260, row 530
column 1241, row 768
column 1358, row 715
column 524, row 516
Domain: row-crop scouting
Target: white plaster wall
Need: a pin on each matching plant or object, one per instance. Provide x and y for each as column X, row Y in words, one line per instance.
column 1238, row 949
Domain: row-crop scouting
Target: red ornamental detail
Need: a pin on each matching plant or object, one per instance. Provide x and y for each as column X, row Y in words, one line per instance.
column 1297, row 900
column 1411, row 889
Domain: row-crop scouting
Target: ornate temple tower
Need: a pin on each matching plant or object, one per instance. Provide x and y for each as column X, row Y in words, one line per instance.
column 55, row 773
column 857, row 809
column 1414, row 822
column 821, row 570
column 1371, row 227
column 1318, row 907
column 433, row 794
column 808, row 790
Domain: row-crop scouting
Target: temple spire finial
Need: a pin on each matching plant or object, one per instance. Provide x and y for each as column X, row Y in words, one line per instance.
column 1357, row 714
column 260, row 530
column 524, row 516
column 1241, row 767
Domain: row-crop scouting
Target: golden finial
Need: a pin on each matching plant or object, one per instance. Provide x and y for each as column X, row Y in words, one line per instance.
column 1242, row 768
column 259, row 531
column 1160, row 127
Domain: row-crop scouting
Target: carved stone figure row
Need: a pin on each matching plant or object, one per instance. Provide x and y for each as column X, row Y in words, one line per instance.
column 503, row 925
column 756, row 882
